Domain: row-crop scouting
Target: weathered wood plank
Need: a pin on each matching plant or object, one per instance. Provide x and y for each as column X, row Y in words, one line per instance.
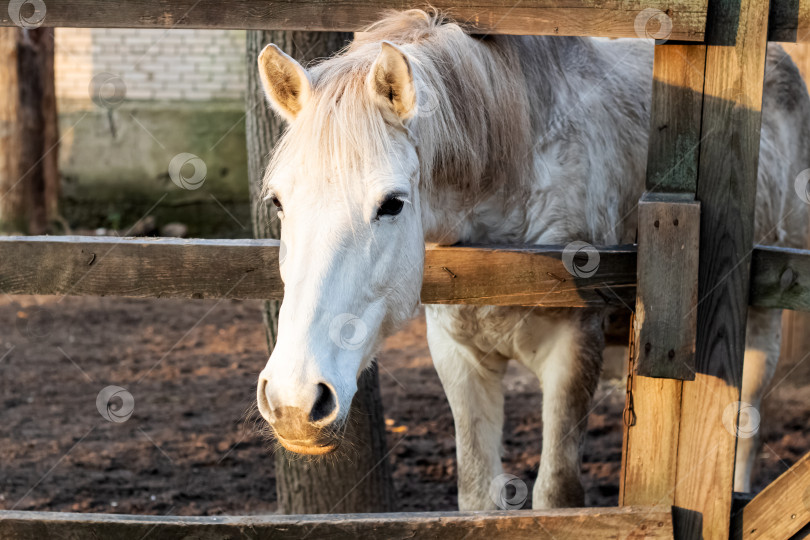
column 780, row 278
column 550, row 17
column 736, row 39
column 170, row 267
column 780, row 510
column 653, row 406
column 531, row 276
column 166, row 267
column 666, row 318
column 677, row 103
column 567, row 524
column 789, row 21
column 140, row 267
column 651, row 419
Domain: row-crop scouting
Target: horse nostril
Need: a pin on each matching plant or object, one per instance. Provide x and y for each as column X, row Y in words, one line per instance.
column 325, row 404
column 263, row 401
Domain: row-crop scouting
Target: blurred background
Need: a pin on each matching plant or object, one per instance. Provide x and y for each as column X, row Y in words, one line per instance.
column 183, row 91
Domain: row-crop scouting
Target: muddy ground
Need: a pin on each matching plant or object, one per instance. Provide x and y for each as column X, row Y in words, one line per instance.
column 188, row 449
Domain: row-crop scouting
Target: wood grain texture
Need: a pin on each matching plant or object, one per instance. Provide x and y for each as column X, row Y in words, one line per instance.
column 789, row 21
column 142, row 267
column 152, row 267
column 729, row 151
column 652, row 421
column 180, row 268
column 666, row 318
column 492, row 275
column 780, row 510
column 677, row 102
column 653, row 406
column 550, row 17
column 568, row 524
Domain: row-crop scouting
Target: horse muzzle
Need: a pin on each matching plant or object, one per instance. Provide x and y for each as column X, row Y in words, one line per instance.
column 309, row 427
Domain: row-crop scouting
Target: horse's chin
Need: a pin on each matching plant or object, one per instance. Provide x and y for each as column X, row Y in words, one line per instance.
column 307, row 449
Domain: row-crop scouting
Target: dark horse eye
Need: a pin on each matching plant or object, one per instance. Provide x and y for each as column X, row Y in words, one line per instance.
column 277, row 203
column 390, row 207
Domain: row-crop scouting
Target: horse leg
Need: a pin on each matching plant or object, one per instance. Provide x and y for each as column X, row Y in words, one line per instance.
column 472, row 382
column 762, row 344
column 568, row 374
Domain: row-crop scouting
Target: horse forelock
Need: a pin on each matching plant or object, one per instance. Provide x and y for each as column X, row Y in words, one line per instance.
column 472, row 126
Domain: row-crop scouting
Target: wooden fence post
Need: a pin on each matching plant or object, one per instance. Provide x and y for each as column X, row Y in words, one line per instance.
column 697, row 449
column 29, row 174
column 652, row 416
column 727, row 182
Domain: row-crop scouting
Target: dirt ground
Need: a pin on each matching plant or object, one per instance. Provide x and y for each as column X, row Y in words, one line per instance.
column 189, row 448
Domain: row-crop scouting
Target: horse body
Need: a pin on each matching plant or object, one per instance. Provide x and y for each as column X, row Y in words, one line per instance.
column 517, row 140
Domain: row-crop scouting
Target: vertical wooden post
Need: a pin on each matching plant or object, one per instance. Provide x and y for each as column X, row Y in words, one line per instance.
column 12, row 191
column 653, row 409
column 669, row 217
column 678, row 450
column 29, row 175
column 727, row 181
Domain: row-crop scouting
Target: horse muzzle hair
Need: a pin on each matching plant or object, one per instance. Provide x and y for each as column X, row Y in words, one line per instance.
column 311, row 426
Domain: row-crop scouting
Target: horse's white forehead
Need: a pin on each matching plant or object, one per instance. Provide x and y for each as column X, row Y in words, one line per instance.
column 301, row 168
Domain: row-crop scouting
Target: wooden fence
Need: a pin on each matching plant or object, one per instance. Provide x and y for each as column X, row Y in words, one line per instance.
column 691, row 277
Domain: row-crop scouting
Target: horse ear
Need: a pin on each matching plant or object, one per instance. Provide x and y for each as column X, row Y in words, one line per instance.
column 285, row 82
column 391, row 80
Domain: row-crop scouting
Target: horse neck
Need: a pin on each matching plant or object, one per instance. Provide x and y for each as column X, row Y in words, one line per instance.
column 478, row 154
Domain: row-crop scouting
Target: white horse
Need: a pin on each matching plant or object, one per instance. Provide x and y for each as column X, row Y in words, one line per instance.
column 421, row 132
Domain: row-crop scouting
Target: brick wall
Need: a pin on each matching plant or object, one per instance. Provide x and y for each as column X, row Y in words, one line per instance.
column 188, row 65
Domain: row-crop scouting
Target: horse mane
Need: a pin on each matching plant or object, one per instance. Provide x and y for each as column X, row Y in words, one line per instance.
column 473, row 123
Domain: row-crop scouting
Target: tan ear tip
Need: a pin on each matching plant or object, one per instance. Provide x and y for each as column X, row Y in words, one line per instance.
column 388, row 47
column 271, row 49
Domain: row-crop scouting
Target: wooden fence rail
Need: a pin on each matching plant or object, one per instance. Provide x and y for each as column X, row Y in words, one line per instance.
column 567, row 524
column 550, row 17
column 491, row 275
column 170, row 267
column 781, row 510
column 789, row 19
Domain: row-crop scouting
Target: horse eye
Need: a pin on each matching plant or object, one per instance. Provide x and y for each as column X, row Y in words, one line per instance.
column 277, row 203
column 390, row 207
